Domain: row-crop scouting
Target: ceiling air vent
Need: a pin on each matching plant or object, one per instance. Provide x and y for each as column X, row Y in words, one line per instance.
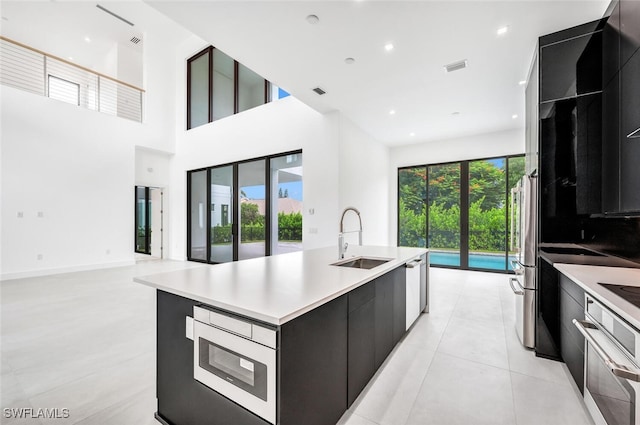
column 135, row 40
column 104, row 9
column 319, row 91
column 455, row 66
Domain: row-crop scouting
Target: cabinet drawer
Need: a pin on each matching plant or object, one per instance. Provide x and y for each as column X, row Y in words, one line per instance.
column 572, row 288
column 573, row 356
column 361, row 295
column 569, row 310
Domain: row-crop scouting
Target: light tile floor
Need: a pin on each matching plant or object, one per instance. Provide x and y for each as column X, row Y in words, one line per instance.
column 86, row 342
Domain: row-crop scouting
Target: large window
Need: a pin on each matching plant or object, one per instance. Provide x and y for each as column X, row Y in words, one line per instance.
column 219, row 86
column 460, row 211
column 245, row 209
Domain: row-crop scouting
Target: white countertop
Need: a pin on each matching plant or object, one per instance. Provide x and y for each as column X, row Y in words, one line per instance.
column 588, row 277
column 279, row 288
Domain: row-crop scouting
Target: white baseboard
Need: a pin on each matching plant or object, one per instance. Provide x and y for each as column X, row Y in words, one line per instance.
column 70, row 269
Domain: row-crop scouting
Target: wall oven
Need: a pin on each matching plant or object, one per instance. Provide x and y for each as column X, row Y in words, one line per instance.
column 236, row 358
column 612, row 350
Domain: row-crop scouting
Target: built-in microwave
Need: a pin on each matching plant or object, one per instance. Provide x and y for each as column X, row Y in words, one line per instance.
column 236, row 358
column 612, row 351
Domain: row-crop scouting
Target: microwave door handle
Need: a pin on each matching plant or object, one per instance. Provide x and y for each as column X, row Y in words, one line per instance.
column 616, row 369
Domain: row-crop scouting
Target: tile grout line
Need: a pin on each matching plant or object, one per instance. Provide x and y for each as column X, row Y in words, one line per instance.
column 435, row 351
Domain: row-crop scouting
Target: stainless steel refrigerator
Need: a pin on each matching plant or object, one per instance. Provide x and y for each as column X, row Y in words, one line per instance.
column 524, row 225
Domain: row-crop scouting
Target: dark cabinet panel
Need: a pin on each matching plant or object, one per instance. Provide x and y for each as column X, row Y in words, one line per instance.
column 383, row 318
column 571, row 164
column 611, row 46
column 611, row 146
column 547, row 319
column 572, row 341
column 571, row 67
column 181, row 399
column 312, row 366
column 399, row 304
column 361, row 366
column 630, row 147
column 629, row 29
column 573, row 356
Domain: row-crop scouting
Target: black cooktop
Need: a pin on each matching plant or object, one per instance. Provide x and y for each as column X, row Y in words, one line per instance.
column 629, row 293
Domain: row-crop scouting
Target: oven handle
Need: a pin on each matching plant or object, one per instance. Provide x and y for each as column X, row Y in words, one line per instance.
column 616, row 369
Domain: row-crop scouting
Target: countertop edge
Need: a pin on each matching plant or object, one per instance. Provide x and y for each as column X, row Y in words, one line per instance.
column 274, row 320
column 606, row 297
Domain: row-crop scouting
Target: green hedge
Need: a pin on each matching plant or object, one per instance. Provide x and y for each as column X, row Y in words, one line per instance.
column 486, row 227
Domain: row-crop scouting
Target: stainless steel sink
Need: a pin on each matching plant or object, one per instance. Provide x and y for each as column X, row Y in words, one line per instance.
column 362, row 262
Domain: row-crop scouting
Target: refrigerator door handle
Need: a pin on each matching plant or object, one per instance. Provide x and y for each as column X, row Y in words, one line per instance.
column 515, row 265
column 513, row 288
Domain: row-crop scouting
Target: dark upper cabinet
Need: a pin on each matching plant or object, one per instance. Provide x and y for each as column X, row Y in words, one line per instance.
column 611, row 146
column 630, row 147
column 570, row 172
column 611, row 46
column 571, row 67
column 629, row 29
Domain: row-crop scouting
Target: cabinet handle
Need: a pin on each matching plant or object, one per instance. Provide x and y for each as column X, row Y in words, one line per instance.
column 616, row 369
column 634, row 134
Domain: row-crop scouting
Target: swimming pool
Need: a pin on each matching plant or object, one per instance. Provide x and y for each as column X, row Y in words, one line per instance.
column 476, row 261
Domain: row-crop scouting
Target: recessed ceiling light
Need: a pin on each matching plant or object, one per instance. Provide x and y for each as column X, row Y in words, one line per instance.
column 503, row 30
column 392, row 112
column 514, row 116
column 388, row 47
column 412, row 134
column 87, row 39
column 522, row 82
column 349, row 61
column 313, row 19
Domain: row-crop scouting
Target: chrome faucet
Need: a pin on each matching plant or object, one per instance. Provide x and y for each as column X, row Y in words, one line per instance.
column 342, row 245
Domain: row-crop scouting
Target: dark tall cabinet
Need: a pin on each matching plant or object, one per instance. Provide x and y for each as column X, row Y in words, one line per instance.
column 621, row 112
column 570, row 156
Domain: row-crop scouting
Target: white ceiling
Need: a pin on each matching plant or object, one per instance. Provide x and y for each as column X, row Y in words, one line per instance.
column 274, row 39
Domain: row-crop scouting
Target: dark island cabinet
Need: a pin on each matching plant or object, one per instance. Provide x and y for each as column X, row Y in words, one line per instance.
column 361, row 345
column 312, row 366
column 377, row 322
column 572, row 341
column 324, row 359
column 181, row 399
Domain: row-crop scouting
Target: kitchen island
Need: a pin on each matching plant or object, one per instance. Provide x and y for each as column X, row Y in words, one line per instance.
column 324, row 330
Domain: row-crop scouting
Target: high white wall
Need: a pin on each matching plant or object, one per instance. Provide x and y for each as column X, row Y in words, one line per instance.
column 488, row 145
column 78, row 167
column 364, row 183
column 75, row 168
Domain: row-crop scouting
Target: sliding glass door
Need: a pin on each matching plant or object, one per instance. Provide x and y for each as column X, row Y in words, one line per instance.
column 143, row 218
column 459, row 210
column 444, row 233
column 222, row 216
column 252, row 196
column 246, row 209
column 487, row 214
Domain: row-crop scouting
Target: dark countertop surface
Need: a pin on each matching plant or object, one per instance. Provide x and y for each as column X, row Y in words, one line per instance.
column 566, row 253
